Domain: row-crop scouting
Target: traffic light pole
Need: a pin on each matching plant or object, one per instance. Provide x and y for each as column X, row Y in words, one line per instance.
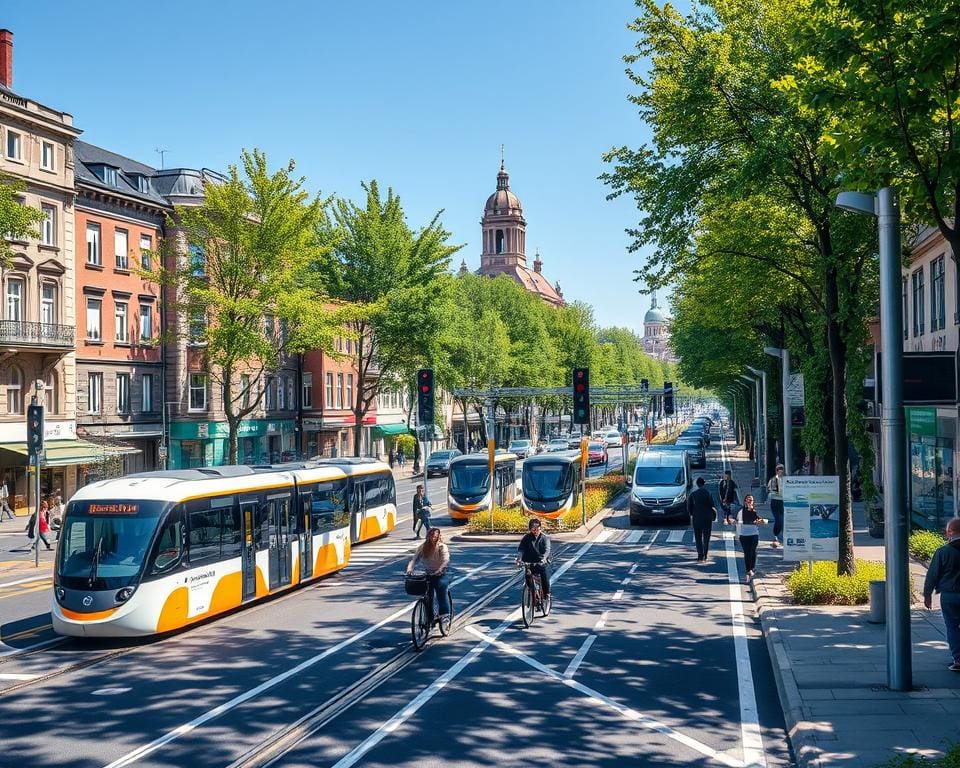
column 35, row 445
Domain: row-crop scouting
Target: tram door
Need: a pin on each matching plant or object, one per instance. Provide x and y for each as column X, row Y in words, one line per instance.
column 248, row 551
column 279, row 532
column 357, row 510
column 306, row 537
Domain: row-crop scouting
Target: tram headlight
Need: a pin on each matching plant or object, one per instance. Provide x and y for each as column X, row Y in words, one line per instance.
column 124, row 594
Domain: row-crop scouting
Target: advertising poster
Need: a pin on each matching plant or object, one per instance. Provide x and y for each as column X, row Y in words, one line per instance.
column 811, row 517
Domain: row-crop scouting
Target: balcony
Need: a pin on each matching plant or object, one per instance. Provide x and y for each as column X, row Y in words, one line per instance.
column 41, row 335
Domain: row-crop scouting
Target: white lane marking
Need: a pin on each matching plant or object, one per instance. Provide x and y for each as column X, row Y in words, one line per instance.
column 649, row 544
column 25, row 581
column 676, row 537
column 141, row 752
column 599, row 698
column 617, row 595
column 15, row 650
column 577, row 660
column 12, row 676
column 601, row 622
column 357, row 753
column 116, row 691
column 633, row 569
column 634, row 537
column 627, row 580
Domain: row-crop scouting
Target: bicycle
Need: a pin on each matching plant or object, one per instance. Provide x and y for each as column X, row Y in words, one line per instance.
column 424, row 617
column 532, row 598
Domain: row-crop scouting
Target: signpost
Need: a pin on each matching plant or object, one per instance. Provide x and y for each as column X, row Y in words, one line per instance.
column 584, row 466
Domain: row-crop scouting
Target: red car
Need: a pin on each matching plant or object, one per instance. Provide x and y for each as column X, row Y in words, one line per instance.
column 596, row 453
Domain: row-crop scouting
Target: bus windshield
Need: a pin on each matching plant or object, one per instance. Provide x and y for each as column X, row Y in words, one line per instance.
column 104, row 543
column 547, row 482
column 469, row 479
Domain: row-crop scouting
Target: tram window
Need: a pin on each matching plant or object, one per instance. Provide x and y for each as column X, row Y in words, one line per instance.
column 327, row 507
column 262, row 525
column 230, row 532
column 391, row 490
column 204, row 536
column 168, row 550
column 372, row 493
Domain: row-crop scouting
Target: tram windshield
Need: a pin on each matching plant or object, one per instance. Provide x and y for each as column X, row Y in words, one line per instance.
column 104, row 543
column 547, row 482
column 469, row 479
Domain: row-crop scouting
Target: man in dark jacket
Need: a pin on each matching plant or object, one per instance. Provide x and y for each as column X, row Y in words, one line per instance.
column 534, row 550
column 728, row 496
column 702, row 513
column 943, row 575
column 419, row 501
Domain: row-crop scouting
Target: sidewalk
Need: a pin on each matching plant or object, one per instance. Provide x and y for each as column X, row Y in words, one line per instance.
column 830, row 667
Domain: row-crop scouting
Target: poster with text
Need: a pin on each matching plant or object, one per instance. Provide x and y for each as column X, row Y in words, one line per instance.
column 811, row 517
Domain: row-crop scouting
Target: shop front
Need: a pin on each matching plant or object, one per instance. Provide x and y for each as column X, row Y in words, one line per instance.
column 334, row 436
column 931, row 434
column 207, row 443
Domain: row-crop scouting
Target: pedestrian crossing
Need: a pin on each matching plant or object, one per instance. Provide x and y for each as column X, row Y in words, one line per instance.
column 660, row 536
column 375, row 552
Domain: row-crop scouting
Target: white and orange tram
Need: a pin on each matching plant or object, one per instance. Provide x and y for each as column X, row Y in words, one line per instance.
column 157, row 551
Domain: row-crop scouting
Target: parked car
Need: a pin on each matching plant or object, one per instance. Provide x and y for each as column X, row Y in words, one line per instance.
column 573, row 441
column 613, row 438
column 596, row 453
column 694, row 448
column 557, row 444
column 520, row 448
column 439, row 462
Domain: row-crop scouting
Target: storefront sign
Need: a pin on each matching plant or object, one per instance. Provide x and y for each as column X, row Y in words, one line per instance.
column 202, row 430
column 922, row 422
column 16, row 431
column 811, row 517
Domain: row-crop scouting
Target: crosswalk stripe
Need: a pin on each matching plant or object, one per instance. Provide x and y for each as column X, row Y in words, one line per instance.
column 634, row 537
column 676, row 537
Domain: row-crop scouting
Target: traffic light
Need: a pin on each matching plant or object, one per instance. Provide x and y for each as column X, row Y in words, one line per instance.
column 668, row 398
column 581, row 395
column 34, row 429
column 425, row 397
column 644, row 385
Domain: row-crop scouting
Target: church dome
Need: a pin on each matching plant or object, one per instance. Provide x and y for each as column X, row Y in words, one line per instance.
column 654, row 315
column 503, row 201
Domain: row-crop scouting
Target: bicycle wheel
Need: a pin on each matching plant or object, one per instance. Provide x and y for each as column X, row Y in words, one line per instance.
column 419, row 627
column 526, row 605
column 546, row 603
column 446, row 622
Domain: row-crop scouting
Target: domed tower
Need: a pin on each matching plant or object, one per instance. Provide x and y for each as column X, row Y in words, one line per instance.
column 654, row 320
column 504, row 229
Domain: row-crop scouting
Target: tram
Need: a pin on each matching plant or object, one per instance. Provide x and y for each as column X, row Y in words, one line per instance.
column 468, row 484
column 551, row 484
column 371, row 494
column 157, row 551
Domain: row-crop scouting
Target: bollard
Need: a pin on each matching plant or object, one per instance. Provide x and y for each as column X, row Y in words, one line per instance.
column 878, row 602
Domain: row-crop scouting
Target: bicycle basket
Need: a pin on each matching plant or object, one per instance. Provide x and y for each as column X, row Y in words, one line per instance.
column 415, row 585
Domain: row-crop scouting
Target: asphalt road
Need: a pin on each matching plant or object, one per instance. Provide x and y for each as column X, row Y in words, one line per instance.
column 647, row 658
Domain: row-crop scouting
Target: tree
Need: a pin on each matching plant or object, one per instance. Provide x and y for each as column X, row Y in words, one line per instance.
column 238, row 267
column 17, row 221
column 399, row 277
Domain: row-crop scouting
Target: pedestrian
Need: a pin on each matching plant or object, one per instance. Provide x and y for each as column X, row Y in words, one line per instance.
column 39, row 524
column 943, row 576
column 426, row 512
column 56, row 514
column 775, row 494
column 419, row 499
column 4, row 501
column 702, row 513
column 390, row 457
column 401, row 459
column 727, row 493
column 748, row 521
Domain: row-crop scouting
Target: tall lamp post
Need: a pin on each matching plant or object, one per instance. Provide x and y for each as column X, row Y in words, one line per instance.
column 885, row 205
column 784, row 356
column 746, row 387
column 761, row 449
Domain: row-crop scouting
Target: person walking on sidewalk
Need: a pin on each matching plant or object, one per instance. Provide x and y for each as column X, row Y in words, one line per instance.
column 775, row 493
column 419, row 501
column 4, row 501
column 727, row 493
column 747, row 521
column 702, row 513
column 40, row 525
column 943, row 576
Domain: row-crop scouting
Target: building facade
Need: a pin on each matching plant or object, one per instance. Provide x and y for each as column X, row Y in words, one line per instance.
column 656, row 333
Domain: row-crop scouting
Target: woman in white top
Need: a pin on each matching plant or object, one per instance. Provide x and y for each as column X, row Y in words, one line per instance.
column 434, row 558
column 749, row 533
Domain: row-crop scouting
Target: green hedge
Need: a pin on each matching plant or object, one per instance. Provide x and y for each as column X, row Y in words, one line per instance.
column 924, row 543
column 505, row 520
column 950, row 759
column 825, row 587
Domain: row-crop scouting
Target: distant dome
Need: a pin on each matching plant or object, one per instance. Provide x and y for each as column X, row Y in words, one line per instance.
column 654, row 315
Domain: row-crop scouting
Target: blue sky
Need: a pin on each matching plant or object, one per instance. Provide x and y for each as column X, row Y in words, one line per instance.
column 419, row 96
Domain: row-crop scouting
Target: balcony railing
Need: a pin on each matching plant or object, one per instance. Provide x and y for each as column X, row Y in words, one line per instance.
column 37, row 334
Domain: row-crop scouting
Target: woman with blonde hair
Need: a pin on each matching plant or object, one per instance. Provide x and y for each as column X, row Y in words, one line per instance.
column 433, row 556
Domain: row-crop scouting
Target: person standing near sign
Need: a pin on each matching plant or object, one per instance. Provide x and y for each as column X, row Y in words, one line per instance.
column 749, row 533
column 775, row 493
column 943, row 575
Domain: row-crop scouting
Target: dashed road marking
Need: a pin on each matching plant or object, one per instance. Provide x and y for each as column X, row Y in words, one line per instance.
column 577, row 660
column 601, row 622
column 634, row 537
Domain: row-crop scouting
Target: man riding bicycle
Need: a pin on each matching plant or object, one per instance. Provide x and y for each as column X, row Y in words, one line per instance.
column 534, row 550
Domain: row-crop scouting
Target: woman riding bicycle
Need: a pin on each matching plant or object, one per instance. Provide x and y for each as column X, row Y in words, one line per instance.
column 534, row 550
column 433, row 556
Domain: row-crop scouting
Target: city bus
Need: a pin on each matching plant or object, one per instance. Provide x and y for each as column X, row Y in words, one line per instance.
column 468, row 484
column 551, row 484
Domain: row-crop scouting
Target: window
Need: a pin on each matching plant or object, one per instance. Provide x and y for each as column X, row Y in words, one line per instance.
column 93, row 245
column 48, row 303
column 120, row 240
column 51, row 393
column 198, row 261
column 329, row 403
column 307, row 390
column 349, row 390
column 143, row 183
column 146, row 247
column 198, row 327
column 15, row 299
column 48, row 156
column 109, row 175
column 198, row 392
column 268, row 388
column 93, row 319
column 906, row 310
column 281, row 392
column 14, row 390
column 269, row 326
column 146, row 322
column 14, row 145
column 339, row 390
column 123, row 393
column 48, row 225
column 94, row 392
column 204, row 534
column 120, row 317
column 918, row 303
column 938, row 306
column 245, row 390
column 327, row 503
column 146, row 389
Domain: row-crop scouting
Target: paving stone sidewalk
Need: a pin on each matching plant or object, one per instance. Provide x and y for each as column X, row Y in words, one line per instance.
column 831, row 673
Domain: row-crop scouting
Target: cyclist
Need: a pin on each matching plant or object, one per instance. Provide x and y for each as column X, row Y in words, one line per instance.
column 434, row 557
column 534, row 550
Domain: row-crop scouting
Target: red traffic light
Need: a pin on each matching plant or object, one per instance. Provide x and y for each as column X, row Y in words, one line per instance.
column 424, row 388
column 581, row 388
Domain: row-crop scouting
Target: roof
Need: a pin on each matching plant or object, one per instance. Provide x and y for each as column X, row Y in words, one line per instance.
column 557, row 457
column 654, row 458
column 90, row 157
column 654, row 315
column 533, row 281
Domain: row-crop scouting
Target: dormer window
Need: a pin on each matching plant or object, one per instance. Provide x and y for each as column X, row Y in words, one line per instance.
column 109, row 175
column 143, row 182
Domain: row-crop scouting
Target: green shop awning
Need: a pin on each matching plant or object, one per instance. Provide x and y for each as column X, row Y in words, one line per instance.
column 387, row 430
column 65, row 453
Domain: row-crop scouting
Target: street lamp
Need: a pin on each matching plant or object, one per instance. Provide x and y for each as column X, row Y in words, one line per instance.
column 885, row 205
column 784, row 355
column 751, row 383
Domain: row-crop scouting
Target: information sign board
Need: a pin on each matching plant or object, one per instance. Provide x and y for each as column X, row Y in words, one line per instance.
column 811, row 517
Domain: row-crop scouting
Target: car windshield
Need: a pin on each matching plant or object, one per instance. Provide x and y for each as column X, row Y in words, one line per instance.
column 104, row 543
column 547, row 482
column 519, row 443
column 469, row 479
column 689, row 443
column 442, row 455
column 595, row 447
column 647, row 476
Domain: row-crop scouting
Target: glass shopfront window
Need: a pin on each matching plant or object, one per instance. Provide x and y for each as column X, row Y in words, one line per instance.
column 932, row 499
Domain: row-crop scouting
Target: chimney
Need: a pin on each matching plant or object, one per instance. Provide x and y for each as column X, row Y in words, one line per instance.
column 6, row 58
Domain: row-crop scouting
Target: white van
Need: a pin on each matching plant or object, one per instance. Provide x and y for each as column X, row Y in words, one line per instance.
column 661, row 482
